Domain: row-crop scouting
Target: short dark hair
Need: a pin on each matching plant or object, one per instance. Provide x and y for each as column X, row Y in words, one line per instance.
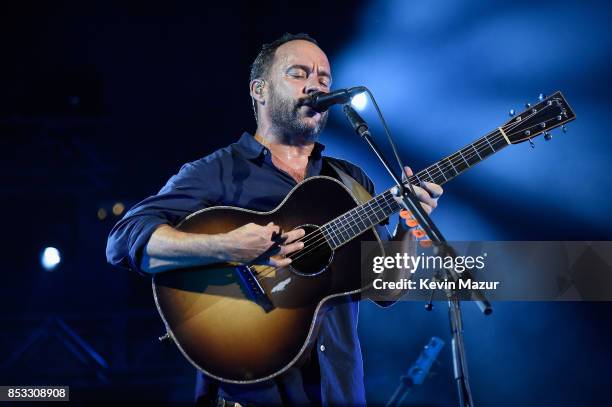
column 264, row 60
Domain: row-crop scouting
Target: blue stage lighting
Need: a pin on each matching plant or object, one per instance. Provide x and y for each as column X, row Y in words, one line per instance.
column 50, row 258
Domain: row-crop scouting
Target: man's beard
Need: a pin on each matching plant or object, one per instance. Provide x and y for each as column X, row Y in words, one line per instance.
column 288, row 123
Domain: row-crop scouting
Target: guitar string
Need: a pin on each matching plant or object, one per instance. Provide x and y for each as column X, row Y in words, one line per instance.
column 437, row 174
column 388, row 200
column 440, row 171
column 496, row 133
column 485, row 141
column 306, row 239
column 342, row 228
column 321, row 236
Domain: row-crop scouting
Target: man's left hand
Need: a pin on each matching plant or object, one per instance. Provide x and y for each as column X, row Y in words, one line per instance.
column 428, row 193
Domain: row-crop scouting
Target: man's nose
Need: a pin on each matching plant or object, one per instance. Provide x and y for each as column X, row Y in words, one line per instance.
column 313, row 89
column 313, row 86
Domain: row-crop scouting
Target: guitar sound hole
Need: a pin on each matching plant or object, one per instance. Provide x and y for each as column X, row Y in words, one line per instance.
column 316, row 255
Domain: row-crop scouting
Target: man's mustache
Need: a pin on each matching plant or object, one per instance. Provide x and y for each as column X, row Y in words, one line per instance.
column 305, row 101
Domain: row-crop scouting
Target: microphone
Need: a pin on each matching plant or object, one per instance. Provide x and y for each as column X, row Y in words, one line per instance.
column 321, row 101
column 357, row 123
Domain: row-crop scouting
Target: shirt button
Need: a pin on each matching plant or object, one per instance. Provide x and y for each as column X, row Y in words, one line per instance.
column 322, row 347
column 265, row 151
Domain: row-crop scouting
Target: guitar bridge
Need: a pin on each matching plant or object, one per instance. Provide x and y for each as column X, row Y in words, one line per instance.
column 254, row 290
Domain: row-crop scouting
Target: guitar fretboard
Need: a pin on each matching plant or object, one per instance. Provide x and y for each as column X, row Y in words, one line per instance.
column 363, row 217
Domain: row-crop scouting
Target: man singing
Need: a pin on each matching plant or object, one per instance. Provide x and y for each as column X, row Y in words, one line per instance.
column 257, row 172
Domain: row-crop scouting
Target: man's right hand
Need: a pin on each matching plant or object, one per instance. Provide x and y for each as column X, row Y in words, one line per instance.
column 253, row 243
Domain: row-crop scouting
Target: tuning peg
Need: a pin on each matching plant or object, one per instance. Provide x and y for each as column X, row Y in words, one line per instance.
column 547, row 136
column 527, row 105
column 564, row 128
column 541, row 97
column 531, row 143
column 512, row 112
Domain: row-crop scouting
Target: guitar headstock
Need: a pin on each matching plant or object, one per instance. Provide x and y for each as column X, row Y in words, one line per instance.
column 547, row 114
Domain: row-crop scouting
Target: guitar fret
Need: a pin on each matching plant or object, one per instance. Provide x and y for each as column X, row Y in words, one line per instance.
column 360, row 219
column 338, row 237
column 328, row 237
column 381, row 212
column 339, row 234
column 435, row 180
column 383, row 204
column 450, row 161
column 466, row 163
column 486, row 138
column 475, row 149
column 449, row 168
column 348, row 222
column 441, row 171
column 343, row 231
column 428, row 174
column 470, row 157
column 367, row 215
column 373, row 210
column 363, row 217
column 392, row 206
column 360, row 212
column 329, row 230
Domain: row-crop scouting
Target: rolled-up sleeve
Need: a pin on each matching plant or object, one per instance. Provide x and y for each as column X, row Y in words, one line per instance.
column 196, row 186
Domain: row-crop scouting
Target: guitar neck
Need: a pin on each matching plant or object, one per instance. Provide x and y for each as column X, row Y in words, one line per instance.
column 456, row 163
column 356, row 221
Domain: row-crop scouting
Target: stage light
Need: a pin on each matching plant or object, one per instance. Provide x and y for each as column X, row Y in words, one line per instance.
column 101, row 213
column 118, row 208
column 359, row 101
column 50, row 258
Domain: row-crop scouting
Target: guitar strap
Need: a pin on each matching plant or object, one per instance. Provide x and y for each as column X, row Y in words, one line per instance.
column 351, row 183
column 362, row 196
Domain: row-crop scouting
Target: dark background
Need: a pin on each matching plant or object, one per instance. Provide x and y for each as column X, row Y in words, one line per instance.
column 102, row 102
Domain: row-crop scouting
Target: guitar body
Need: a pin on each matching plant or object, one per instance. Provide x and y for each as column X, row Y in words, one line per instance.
column 248, row 324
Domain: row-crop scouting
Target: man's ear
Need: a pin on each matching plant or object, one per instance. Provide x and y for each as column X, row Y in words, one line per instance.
column 258, row 87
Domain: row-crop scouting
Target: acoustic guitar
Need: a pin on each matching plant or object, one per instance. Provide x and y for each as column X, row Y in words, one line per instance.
column 242, row 323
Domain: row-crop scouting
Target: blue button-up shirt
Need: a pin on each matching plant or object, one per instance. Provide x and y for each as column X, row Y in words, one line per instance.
column 243, row 175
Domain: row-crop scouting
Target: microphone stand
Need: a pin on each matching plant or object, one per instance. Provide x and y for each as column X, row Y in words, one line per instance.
column 406, row 198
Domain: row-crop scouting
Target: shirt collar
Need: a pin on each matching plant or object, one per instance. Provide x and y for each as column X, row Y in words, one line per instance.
column 251, row 148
